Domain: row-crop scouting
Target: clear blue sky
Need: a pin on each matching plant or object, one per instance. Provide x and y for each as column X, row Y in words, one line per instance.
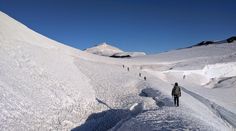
column 151, row 26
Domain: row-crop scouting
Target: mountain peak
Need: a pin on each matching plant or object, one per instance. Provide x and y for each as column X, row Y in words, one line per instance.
column 103, row 49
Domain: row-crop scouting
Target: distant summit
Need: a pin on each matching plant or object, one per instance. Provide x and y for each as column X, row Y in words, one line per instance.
column 104, row 49
column 205, row 43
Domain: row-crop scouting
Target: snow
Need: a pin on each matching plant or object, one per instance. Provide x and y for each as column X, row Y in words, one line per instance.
column 220, row 70
column 105, row 49
column 136, row 108
column 45, row 85
column 164, row 119
column 36, row 88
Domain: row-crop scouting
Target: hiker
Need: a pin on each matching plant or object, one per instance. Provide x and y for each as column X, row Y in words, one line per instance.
column 123, row 66
column 184, row 76
column 145, row 78
column 176, row 93
column 128, row 68
column 140, row 74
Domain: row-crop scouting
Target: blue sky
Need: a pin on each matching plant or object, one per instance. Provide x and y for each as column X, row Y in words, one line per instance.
column 151, row 26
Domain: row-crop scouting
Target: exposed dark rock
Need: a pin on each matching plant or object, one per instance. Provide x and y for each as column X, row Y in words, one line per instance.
column 231, row 39
column 123, row 56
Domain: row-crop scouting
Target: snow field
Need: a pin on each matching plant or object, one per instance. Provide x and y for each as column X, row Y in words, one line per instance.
column 45, row 85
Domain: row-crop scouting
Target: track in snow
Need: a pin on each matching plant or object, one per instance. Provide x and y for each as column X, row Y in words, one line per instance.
column 164, row 117
column 117, row 96
column 220, row 111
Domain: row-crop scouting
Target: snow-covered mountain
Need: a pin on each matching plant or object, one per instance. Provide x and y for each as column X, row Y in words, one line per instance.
column 205, row 43
column 105, row 49
column 45, row 85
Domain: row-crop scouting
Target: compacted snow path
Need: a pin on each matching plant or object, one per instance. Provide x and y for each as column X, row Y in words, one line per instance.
column 127, row 102
column 164, row 117
column 203, row 109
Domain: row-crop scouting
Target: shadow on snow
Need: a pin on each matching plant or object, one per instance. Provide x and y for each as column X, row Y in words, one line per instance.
column 156, row 95
column 112, row 118
column 103, row 120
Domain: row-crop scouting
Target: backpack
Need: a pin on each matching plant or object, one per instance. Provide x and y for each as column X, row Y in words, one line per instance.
column 176, row 91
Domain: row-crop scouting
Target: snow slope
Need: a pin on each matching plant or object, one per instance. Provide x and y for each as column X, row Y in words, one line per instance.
column 199, row 67
column 39, row 82
column 42, row 84
column 45, row 85
column 207, row 73
column 196, row 56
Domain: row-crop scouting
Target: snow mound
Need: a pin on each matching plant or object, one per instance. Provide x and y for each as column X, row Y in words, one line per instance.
column 103, row 49
column 220, row 70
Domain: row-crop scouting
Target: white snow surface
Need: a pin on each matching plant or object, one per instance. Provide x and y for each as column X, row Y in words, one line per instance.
column 45, row 85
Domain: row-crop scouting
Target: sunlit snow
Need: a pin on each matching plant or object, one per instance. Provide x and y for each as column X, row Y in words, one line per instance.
column 45, row 85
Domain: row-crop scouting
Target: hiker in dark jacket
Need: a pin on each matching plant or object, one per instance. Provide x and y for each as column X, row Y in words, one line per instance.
column 176, row 93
